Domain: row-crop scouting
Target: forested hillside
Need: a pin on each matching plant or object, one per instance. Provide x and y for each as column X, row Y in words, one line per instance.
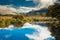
column 54, row 12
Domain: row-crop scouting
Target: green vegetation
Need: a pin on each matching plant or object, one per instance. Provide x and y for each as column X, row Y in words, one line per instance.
column 16, row 20
column 54, row 12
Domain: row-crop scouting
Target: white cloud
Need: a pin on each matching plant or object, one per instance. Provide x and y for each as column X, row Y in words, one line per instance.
column 46, row 3
column 22, row 9
column 41, row 4
column 7, row 10
column 26, row 9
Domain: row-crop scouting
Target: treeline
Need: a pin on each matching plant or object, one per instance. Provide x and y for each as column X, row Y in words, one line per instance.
column 16, row 20
column 54, row 12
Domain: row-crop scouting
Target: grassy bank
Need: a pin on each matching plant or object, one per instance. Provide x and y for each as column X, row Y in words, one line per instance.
column 16, row 20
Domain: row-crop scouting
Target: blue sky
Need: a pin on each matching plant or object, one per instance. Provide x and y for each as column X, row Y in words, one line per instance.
column 18, row 3
column 24, row 6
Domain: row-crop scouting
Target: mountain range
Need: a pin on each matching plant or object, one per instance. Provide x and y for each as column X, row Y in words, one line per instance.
column 37, row 12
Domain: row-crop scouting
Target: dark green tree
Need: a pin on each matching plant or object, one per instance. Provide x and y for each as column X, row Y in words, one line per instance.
column 54, row 12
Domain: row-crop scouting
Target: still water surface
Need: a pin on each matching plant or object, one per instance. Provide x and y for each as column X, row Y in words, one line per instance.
column 27, row 32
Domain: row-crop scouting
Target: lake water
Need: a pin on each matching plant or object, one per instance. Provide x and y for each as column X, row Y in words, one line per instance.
column 27, row 32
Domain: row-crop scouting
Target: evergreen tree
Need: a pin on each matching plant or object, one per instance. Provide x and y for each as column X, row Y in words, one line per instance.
column 54, row 12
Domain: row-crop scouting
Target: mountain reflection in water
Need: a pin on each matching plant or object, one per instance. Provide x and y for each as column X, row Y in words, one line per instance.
column 27, row 32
